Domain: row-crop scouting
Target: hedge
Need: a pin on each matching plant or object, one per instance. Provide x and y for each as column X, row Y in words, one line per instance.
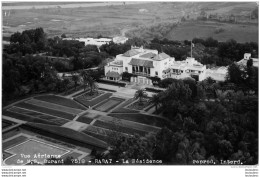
column 153, row 90
column 112, row 83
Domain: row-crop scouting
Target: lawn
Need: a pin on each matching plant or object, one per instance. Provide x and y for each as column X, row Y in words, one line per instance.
column 80, row 93
column 61, row 101
column 138, row 106
column 93, row 102
column 29, row 118
column 119, row 128
column 121, row 109
column 6, row 124
column 85, row 119
column 14, row 141
column 109, row 90
column 203, row 29
column 108, row 104
column 46, row 110
column 88, row 96
column 98, row 136
column 142, row 118
column 68, row 133
column 54, row 106
column 57, row 121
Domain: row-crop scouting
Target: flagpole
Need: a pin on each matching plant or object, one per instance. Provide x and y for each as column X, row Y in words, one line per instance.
column 191, row 48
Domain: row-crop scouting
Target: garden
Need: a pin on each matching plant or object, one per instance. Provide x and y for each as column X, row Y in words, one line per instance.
column 86, row 101
column 121, row 108
column 142, row 118
column 85, row 119
column 139, row 105
column 54, row 106
column 61, row 101
column 31, row 116
column 119, row 128
column 46, row 110
column 106, row 105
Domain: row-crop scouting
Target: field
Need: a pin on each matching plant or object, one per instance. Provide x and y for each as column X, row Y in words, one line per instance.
column 115, row 20
column 201, row 29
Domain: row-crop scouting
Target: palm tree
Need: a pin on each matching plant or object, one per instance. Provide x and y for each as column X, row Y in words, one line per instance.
column 84, row 76
column 92, row 84
column 75, row 79
column 140, row 94
column 156, row 100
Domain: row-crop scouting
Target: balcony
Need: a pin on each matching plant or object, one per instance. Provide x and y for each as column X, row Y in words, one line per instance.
column 141, row 74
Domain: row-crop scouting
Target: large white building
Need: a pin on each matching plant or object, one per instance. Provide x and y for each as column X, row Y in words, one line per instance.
column 217, row 73
column 146, row 63
column 120, row 39
column 92, row 41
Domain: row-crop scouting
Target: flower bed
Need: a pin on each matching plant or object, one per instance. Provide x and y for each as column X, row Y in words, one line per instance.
column 28, row 118
column 85, row 119
column 92, row 102
column 119, row 128
column 120, row 84
column 136, row 105
column 121, row 108
column 109, row 90
column 88, row 96
column 108, row 104
column 60, row 100
column 80, row 93
column 45, row 110
column 142, row 118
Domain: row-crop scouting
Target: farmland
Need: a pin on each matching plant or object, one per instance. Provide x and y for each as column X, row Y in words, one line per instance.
column 190, row 30
column 112, row 20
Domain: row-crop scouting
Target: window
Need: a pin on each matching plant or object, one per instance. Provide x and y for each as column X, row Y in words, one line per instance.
column 156, row 73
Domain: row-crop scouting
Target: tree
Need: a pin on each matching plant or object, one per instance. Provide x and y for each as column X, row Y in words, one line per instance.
column 84, row 76
column 92, row 84
column 235, row 74
column 156, row 100
column 140, row 94
column 66, row 83
column 75, row 78
column 63, row 35
column 130, row 147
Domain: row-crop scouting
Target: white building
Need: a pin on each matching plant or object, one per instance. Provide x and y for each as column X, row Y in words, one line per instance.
column 217, row 73
column 247, row 56
column 147, row 63
column 92, row 41
column 120, row 39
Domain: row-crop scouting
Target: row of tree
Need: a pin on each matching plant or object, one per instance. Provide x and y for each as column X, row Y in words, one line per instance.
column 225, row 128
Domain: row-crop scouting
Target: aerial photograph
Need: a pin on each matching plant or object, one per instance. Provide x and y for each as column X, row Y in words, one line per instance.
column 130, row 83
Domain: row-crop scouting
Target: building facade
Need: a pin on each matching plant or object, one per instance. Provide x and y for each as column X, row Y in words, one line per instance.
column 92, row 41
column 145, row 64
